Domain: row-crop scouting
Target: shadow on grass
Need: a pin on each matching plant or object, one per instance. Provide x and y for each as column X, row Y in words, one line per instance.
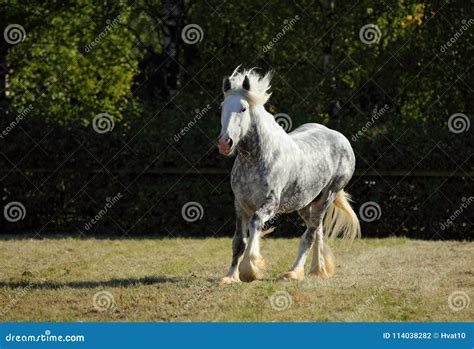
column 128, row 282
column 62, row 236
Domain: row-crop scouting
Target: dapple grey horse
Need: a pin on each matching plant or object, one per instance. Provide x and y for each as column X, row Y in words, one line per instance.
column 276, row 172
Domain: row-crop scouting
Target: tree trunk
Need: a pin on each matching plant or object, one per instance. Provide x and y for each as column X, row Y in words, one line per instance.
column 172, row 25
column 3, row 60
column 328, row 40
column 3, row 75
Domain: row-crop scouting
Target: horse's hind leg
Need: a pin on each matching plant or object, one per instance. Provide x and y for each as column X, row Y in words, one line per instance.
column 313, row 216
column 238, row 245
column 323, row 262
column 306, row 241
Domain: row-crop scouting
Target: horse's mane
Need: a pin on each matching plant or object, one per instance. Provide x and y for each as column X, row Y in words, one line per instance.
column 259, row 85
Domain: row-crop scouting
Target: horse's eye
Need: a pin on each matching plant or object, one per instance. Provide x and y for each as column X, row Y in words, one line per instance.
column 243, row 109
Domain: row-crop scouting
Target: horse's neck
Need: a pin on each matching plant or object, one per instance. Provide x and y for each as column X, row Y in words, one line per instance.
column 264, row 138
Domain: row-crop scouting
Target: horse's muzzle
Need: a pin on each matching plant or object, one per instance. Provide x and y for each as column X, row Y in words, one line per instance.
column 224, row 145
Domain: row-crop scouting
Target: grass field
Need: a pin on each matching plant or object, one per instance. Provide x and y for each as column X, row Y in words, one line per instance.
column 68, row 279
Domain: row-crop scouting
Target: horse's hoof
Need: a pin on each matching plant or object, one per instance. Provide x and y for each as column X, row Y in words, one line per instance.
column 292, row 275
column 251, row 268
column 227, row 280
column 323, row 272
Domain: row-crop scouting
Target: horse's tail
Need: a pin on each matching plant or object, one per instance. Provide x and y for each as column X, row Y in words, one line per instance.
column 340, row 219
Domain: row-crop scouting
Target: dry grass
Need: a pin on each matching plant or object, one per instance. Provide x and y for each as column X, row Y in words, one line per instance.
column 175, row 280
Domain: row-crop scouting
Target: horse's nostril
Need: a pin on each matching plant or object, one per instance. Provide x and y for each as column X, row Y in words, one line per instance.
column 230, row 142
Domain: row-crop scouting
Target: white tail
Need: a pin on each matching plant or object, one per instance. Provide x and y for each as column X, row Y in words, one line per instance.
column 340, row 218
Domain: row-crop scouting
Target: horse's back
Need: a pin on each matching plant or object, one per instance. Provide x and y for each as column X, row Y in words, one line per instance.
column 310, row 134
column 310, row 127
column 322, row 144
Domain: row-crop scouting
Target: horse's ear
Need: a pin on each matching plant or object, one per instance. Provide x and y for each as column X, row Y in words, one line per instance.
column 226, row 85
column 246, row 83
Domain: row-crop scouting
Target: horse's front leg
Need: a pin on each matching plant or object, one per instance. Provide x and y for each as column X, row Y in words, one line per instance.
column 253, row 265
column 238, row 245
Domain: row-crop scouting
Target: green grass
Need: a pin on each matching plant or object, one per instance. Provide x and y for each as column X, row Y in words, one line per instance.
column 176, row 280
